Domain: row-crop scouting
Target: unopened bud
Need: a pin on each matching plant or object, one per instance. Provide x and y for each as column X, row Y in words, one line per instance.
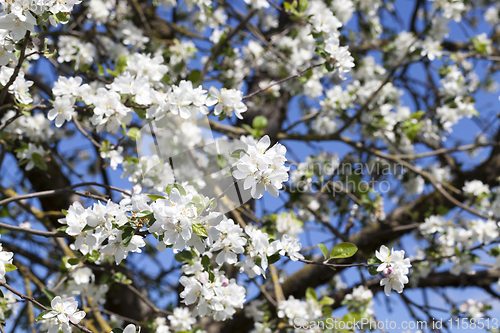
column 387, row 271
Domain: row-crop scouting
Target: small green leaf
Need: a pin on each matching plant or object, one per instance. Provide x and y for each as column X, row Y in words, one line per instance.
column 73, row 261
column 311, row 294
column 121, row 64
column 195, row 76
column 181, row 189
column 184, row 256
column 326, row 301
column 134, row 133
column 259, row 122
column 352, row 317
column 155, row 197
column 93, row 256
column 117, row 330
column 10, row 267
column 205, row 262
column 237, row 153
column 274, row 258
column 323, row 249
column 127, row 236
column 343, row 250
column 40, row 316
column 50, row 295
column 373, row 271
column 303, row 5
column 141, row 113
column 199, row 229
column 374, row 261
column 169, row 188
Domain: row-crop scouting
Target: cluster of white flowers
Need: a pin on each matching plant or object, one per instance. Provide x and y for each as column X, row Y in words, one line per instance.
column 35, row 127
column 394, row 267
column 286, row 223
column 475, row 187
column 174, row 221
column 92, row 226
column 360, row 299
column 62, row 313
column 339, row 55
column 450, row 236
column 213, row 294
column 262, row 168
column 18, row 17
column 473, row 308
column 186, row 101
column 226, row 100
column 299, row 312
column 73, row 49
column 19, row 88
column 31, row 155
column 456, row 86
column 452, row 9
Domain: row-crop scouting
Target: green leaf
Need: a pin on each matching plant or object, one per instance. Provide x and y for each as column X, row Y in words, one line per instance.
column 199, row 229
column 195, row 76
column 205, row 262
column 155, row 197
column 352, row 317
column 274, row 258
column 373, row 271
column 93, row 256
column 326, row 301
column 237, row 153
column 40, row 316
column 127, row 236
column 495, row 251
column 259, row 122
column 184, row 256
column 418, row 114
column 121, row 64
column 343, row 250
column 10, row 267
column 134, row 133
column 50, row 295
column 181, row 189
column 323, row 249
column 311, row 294
column 303, row 5
column 117, row 330
column 169, row 188
column 374, row 261
column 73, row 261
column 141, row 113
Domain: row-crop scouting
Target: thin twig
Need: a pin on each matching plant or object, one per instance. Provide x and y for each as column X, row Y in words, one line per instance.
column 84, row 132
column 49, row 193
column 281, row 81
